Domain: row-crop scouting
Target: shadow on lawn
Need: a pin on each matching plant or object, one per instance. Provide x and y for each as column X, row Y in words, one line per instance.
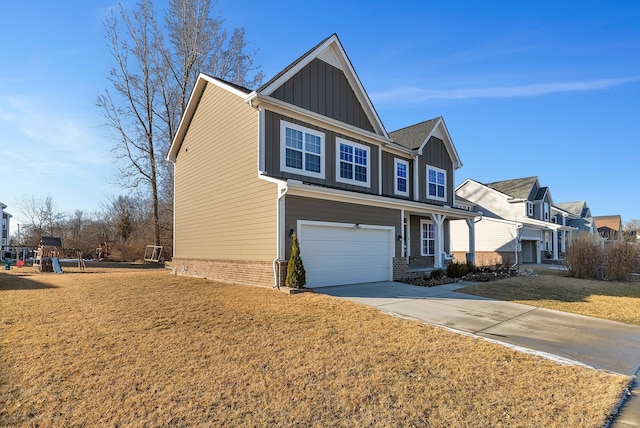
column 22, row 281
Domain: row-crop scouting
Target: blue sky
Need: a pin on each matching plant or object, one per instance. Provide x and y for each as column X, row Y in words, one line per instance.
column 541, row 88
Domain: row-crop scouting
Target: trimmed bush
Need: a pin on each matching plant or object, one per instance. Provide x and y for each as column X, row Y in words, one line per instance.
column 584, row 257
column 296, row 276
column 458, row 270
column 620, row 260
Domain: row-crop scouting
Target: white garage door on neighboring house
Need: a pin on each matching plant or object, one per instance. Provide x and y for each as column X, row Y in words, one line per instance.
column 338, row 253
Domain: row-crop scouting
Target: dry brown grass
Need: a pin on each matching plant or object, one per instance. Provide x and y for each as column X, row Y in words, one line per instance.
column 553, row 289
column 145, row 348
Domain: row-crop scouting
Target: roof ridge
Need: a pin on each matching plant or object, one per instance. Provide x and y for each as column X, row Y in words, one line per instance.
column 416, row 124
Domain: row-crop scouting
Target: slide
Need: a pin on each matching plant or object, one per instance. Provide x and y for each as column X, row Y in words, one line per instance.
column 56, row 265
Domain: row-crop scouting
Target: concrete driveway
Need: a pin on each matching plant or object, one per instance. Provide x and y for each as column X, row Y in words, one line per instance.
column 601, row 344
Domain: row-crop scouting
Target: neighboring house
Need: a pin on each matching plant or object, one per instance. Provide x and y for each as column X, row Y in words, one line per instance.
column 307, row 153
column 6, row 217
column 575, row 214
column 609, row 226
column 519, row 222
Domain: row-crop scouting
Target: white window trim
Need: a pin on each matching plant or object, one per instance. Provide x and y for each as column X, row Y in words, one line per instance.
column 283, row 150
column 529, row 208
column 435, row 197
column 396, row 162
column 354, row 145
column 435, row 238
column 547, row 210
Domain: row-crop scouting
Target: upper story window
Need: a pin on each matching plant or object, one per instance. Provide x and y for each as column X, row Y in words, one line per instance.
column 401, row 180
column 529, row 209
column 352, row 163
column 427, row 238
column 301, row 150
column 436, row 183
column 546, row 211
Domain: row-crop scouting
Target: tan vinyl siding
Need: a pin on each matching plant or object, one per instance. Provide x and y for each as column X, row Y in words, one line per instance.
column 222, row 209
column 435, row 154
column 302, row 208
column 324, row 89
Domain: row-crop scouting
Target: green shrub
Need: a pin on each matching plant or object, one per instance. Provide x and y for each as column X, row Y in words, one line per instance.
column 458, row 270
column 437, row 274
column 620, row 260
column 296, row 275
column 584, row 256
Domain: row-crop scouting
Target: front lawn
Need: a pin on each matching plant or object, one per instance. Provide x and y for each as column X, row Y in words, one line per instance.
column 140, row 347
column 553, row 289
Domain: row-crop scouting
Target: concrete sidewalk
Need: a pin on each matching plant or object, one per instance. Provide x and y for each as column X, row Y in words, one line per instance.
column 601, row 344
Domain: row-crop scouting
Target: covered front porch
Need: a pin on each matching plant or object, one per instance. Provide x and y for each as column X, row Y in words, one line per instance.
column 426, row 243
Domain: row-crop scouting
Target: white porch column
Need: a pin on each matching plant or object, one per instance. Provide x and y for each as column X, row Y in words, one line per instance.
column 402, row 243
column 471, row 224
column 438, row 219
column 555, row 244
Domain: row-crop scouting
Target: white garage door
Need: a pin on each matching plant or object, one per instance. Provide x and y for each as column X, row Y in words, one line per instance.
column 335, row 253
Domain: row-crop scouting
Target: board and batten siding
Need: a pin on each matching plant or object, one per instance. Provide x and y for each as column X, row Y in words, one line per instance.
column 435, row 154
column 389, row 174
column 303, row 208
column 272, row 155
column 322, row 88
column 222, row 209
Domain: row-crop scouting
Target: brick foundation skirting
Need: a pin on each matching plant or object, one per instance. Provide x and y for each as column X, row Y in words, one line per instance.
column 246, row 272
column 399, row 268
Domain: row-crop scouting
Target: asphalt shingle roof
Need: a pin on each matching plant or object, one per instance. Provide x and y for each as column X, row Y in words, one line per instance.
column 413, row 136
column 518, row 188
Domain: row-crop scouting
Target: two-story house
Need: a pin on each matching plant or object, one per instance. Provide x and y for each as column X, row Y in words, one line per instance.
column 6, row 217
column 518, row 224
column 307, row 153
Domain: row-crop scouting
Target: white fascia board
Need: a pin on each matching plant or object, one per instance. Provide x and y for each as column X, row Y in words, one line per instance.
column 345, row 65
column 194, row 98
column 451, row 148
column 284, row 108
column 300, row 189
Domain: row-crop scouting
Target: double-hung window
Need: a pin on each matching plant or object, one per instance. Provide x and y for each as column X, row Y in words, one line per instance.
column 353, row 163
column 436, row 183
column 529, row 209
column 427, row 238
column 401, row 180
column 301, row 150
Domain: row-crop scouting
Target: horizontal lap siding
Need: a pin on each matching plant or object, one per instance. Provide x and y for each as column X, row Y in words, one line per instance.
column 223, row 211
column 301, row 208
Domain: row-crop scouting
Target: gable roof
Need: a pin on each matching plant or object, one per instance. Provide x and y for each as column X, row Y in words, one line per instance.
column 194, row 100
column 613, row 222
column 518, row 188
column 329, row 50
column 415, row 137
column 576, row 208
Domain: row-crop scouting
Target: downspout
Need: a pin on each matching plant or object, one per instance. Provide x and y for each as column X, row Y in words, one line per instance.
column 282, row 191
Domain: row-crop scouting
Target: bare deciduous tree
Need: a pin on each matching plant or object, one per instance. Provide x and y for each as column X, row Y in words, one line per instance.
column 156, row 68
column 44, row 218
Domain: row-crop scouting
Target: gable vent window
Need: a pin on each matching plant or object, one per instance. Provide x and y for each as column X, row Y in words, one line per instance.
column 401, row 181
column 301, row 150
column 352, row 163
column 436, row 183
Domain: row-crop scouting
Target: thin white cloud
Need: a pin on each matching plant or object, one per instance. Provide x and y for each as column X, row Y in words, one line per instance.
column 416, row 94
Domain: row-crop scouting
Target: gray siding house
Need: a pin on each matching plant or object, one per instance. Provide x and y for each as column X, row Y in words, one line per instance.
column 307, row 153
